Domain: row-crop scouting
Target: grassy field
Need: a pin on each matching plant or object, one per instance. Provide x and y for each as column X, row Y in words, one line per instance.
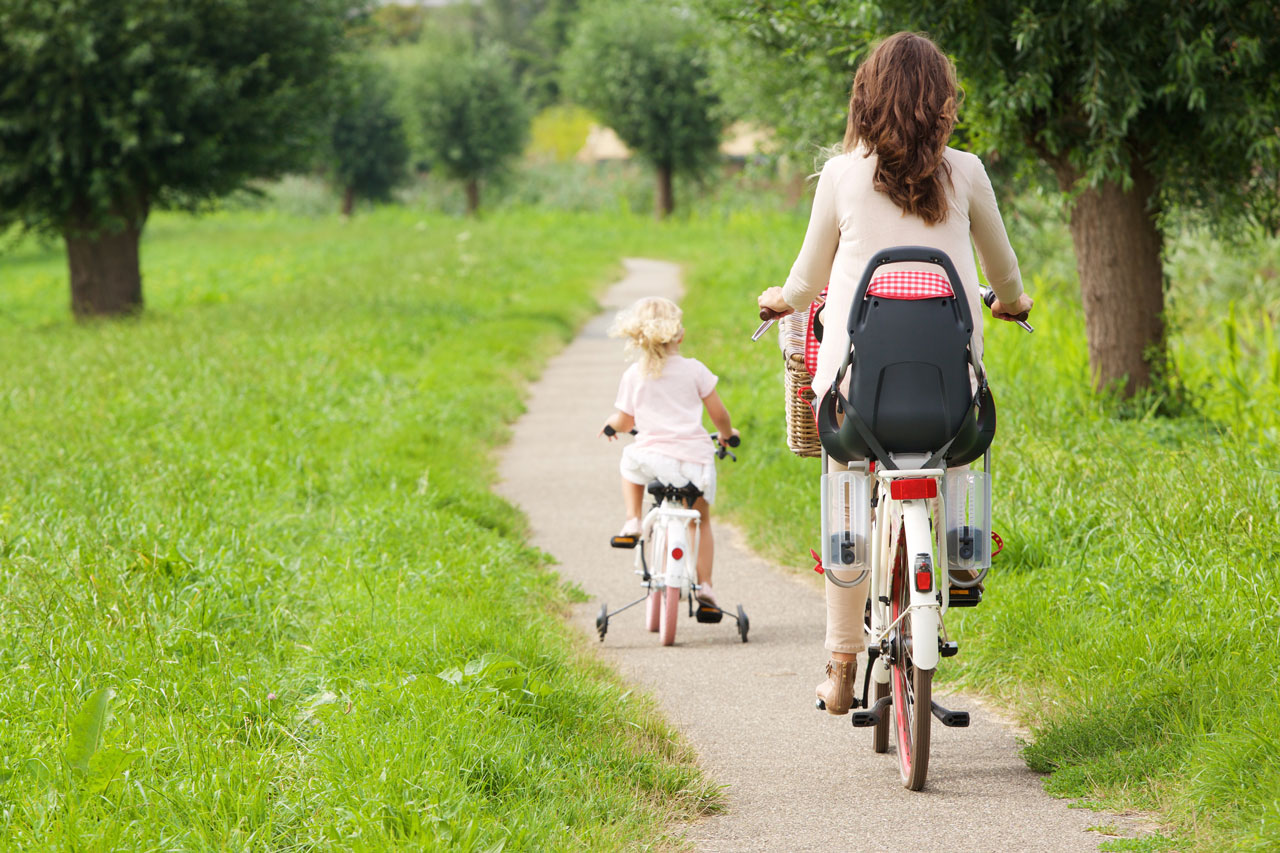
column 1133, row 618
column 259, row 516
column 254, row 592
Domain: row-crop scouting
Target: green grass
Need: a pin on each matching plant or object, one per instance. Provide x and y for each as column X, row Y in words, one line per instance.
column 274, row 484
column 1133, row 620
column 254, row 591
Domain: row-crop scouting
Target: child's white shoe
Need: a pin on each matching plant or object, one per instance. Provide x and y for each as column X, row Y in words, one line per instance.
column 630, row 528
column 706, row 596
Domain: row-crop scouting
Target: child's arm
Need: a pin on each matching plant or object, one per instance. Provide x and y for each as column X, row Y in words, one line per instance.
column 621, row 422
column 719, row 416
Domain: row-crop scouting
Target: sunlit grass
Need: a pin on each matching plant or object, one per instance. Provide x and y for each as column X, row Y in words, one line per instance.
column 259, row 516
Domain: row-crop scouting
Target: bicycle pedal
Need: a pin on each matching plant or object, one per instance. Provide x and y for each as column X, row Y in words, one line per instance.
column 949, row 718
column 709, row 614
column 965, row 597
column 864, row 719
column 948, row 649
column 624, row 541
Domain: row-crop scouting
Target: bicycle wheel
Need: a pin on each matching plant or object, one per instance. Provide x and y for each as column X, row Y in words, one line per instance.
column 657, row 565
column 653, row 608
column 912, row 687
column 670, row 613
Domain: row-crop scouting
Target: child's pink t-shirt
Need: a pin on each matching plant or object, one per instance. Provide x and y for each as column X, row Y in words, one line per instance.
column 668, row 408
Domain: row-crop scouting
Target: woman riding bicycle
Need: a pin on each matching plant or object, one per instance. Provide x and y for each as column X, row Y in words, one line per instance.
column 896, row 183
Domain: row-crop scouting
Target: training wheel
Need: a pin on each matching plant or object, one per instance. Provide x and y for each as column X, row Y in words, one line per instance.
column 602, row 621
column 744, row 624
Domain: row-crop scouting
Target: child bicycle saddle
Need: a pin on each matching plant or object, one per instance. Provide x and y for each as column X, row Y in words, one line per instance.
column 909, row 386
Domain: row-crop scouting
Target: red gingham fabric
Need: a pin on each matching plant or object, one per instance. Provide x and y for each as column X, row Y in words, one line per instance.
column 909, row 285
column 811, row 342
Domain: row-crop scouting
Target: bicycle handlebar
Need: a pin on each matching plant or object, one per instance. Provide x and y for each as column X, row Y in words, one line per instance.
column 988, row 296
column 722, row 450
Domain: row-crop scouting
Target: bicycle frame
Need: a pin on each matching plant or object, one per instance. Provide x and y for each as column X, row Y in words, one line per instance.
column 668, row 527
column 926, row 544
column 913, row 520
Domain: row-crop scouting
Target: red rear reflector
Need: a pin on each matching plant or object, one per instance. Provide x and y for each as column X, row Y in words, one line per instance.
column 924, row 580
column 913, row 490
column 676, row 553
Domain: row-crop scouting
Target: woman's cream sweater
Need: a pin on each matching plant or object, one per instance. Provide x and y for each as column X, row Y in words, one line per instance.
column 851, row 221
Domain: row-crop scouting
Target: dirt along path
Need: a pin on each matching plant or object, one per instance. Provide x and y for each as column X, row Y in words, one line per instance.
column 796, row 779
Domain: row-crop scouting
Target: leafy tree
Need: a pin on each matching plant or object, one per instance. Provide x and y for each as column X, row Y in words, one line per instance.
column 643, row 69
column 1138, row 107
column 368, row 151
column 534, row 33
column 109, row 108
column 474, row 118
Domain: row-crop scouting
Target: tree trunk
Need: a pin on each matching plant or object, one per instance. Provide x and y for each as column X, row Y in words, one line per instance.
column 1118, row 257
column 105, row 276
column 666, row 201
column 348, row 200
column 473, row 196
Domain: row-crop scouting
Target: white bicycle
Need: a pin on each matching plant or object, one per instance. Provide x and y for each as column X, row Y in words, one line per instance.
column 909, row 516
column 666, row 560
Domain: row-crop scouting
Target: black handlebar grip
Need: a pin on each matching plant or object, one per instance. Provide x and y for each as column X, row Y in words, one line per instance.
column 989, row 296
column 610, row 431
column 734, row 440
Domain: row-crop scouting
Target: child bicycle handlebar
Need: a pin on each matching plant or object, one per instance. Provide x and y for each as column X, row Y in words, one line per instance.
column 721, row 452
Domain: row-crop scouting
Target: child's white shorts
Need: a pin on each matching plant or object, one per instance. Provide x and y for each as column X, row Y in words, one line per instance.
column 640, row 466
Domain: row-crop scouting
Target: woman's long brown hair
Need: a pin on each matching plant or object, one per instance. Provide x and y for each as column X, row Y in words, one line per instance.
column 903, row 108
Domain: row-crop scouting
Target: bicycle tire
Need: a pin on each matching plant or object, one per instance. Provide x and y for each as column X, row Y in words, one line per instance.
column 670, row 614
column 912, row 688
column 653, row 609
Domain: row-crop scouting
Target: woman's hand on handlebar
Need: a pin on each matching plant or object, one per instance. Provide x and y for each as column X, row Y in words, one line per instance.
column 1012, row 313
column 733, row 440
column 772, row 305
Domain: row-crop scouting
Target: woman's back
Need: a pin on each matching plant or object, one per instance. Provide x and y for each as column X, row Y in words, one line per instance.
column 851, row 221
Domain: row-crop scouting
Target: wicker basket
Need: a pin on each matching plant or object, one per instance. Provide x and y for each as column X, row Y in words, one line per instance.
column 802, row 432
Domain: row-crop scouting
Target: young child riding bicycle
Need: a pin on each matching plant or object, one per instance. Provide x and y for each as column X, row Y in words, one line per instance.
column 662, row 396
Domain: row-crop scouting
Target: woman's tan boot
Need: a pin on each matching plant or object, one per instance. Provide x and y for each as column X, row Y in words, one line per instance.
column 835, row 695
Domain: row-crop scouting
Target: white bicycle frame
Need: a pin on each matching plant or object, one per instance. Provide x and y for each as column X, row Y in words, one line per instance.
column 668, row 527
column 926, row 543
column 915, row 520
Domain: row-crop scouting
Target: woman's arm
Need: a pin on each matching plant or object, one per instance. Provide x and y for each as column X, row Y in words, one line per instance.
column 994, row 252
column 812, row 270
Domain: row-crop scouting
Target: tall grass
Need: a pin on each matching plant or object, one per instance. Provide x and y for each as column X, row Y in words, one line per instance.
column 254, row 592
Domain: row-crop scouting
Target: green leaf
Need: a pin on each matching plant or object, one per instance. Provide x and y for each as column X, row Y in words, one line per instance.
column 106, row 765
column 86, row 730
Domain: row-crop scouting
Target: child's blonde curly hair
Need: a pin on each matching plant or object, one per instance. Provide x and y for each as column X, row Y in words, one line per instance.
column 649, row 327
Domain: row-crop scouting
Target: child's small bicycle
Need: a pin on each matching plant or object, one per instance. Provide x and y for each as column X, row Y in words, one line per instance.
column 668, row 572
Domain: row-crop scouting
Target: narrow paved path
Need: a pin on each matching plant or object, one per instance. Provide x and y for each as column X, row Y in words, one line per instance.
column 796, row 779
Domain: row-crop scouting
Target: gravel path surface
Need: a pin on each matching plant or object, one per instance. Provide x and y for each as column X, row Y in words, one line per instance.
column 796, row 779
